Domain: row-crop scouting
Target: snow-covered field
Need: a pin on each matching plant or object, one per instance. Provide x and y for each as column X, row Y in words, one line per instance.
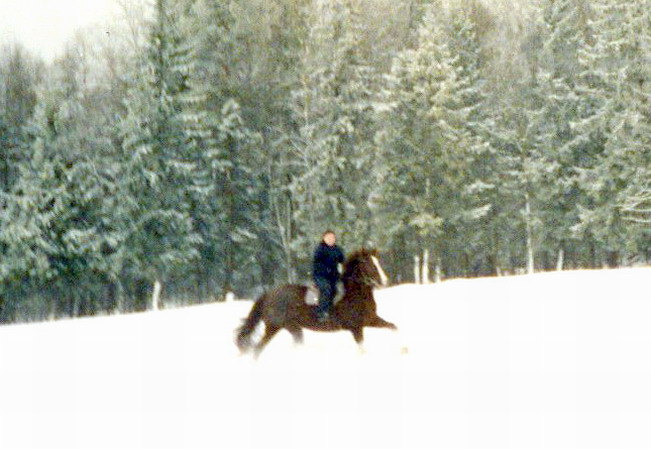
column 556, row 360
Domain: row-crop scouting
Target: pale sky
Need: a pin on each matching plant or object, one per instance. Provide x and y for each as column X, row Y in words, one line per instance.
column 44, row 26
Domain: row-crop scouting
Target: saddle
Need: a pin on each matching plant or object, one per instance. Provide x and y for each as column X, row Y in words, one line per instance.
column 312, row 294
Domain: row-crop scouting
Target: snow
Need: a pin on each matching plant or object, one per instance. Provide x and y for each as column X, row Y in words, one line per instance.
column 548, row 360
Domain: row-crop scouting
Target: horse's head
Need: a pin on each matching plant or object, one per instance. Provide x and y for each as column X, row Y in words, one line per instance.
column 364, row 266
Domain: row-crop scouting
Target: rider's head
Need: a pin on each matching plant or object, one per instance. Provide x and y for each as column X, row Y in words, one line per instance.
column 329, row 237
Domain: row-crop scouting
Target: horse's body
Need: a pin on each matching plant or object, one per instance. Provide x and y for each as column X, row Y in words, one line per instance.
column 285, row 306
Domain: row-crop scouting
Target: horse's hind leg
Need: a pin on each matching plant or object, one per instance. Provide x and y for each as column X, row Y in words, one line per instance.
column 269, row 333
column 297, row 333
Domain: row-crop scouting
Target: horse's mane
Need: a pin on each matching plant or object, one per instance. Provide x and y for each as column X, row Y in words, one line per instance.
column 353, row 260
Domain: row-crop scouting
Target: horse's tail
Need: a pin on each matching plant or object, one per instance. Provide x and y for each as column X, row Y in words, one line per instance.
column 245, row 331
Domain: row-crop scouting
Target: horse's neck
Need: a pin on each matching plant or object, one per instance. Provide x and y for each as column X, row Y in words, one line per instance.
column 356, row 290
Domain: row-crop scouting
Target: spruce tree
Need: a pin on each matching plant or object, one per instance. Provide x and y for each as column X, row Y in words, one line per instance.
column 564, row 30
column 224, row 203
column 333, row 150
column 19, row 75
column 614, row 124
column 53, row 229
column 158, row 169
column 424, row 144
column 468, row 252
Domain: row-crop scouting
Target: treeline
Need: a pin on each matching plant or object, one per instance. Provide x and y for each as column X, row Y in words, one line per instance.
column 206, row 145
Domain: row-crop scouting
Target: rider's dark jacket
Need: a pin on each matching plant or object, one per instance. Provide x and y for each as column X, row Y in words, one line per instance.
column 325, row 262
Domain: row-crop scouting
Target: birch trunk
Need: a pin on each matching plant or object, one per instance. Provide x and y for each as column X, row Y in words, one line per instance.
column 530, row 260
column 284, row 223
column 155, row 297
column 561, row 260
column 425, row 268
column 119, row 293
column 438, row 270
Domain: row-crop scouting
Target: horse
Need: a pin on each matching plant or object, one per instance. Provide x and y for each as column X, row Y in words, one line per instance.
column 285, row 307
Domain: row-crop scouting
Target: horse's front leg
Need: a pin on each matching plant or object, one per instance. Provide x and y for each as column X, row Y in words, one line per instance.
column 376, row 321
column 358, row 335
column 269, row 333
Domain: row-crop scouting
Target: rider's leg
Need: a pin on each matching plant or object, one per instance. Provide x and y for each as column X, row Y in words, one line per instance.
column 326, row 295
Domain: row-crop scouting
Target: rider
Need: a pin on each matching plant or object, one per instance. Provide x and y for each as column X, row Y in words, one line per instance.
column 325, row 271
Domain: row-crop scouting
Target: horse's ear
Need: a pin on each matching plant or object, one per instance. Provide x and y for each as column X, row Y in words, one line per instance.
column 371, row 252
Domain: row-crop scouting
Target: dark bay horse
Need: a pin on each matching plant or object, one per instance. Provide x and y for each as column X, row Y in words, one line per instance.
column 285, row 307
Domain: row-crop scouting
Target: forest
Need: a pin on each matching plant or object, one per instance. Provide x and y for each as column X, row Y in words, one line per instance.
column 204, row 146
